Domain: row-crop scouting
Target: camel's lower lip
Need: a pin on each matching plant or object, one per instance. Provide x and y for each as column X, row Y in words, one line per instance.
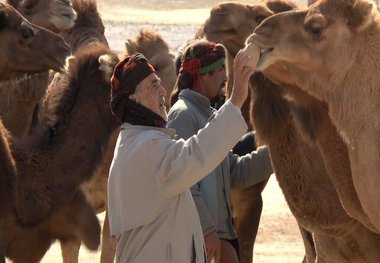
column 265, row 58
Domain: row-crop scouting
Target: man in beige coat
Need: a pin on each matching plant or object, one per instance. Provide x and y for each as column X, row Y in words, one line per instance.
column 151, row 210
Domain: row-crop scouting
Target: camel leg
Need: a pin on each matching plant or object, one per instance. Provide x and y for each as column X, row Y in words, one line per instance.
column 307, row 237
column 247, row 206
column 2, row 245
column 70, row 251
column 108, row 243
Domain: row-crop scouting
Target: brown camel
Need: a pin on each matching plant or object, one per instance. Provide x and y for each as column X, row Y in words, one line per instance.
column 19, row 37
column 88, row 31
column 55, row 15
column 33, row 50
column 322, row 51
column 230, row 24
column 302, row 175
column 8, row 173
column 38, row 51
column 20, row 97
column 62, row 154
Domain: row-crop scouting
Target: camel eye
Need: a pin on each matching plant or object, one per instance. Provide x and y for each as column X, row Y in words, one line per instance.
column 316, row 31
column 315, row 24
column 29, row 5
column 27, row 33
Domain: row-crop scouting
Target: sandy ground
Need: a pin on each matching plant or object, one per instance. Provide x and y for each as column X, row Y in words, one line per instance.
column 278, row 240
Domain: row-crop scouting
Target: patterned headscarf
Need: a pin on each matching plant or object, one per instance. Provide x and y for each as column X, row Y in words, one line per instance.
column 202, row 57
column 127, row 74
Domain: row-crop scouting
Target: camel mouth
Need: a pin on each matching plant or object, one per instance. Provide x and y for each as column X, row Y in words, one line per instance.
column 266, row 58
column 59, row 62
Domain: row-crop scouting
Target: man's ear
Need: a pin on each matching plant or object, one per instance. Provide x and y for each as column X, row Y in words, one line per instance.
column 134, row 97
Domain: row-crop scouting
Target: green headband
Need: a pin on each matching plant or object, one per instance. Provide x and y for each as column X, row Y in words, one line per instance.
column 213, row 66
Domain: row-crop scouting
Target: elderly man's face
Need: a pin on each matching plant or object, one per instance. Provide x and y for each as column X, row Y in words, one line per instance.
column 151, row 94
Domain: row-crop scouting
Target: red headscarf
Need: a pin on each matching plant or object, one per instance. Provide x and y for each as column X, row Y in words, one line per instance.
column 202, row 57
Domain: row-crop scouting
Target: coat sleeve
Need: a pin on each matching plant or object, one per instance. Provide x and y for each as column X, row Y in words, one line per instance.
column 184, row 163
column 251, row 168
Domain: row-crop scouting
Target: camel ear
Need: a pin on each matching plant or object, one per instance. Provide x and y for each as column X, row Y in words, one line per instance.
column 360, row 14
column 106, row 65
column 130, row 46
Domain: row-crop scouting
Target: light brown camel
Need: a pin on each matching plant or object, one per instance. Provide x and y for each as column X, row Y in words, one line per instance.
column 302, row 175
column 20, row 97
column 331, row 51
column 230, row 24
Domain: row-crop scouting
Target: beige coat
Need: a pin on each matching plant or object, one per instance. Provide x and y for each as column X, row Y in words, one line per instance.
column 151, row 209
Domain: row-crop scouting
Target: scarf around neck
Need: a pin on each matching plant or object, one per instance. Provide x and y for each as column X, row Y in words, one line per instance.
column 137, row 114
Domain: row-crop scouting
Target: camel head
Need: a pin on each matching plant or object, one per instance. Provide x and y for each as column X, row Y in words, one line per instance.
column 231, row 23
column 323, row 41
column 26, row 48
column 156, row 50
column 107, row 64
column 55, row 15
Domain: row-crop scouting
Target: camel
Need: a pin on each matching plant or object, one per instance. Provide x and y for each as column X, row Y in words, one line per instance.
column 48, row 51
column 154, row 47
column 230, row 24
column 19, row 37
column 21, row 96
column 303, row 176
column 8, row 173
column 87, row 30
column 321, row 52
column 33, row 50
column 55, row 15
column 48, row 182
